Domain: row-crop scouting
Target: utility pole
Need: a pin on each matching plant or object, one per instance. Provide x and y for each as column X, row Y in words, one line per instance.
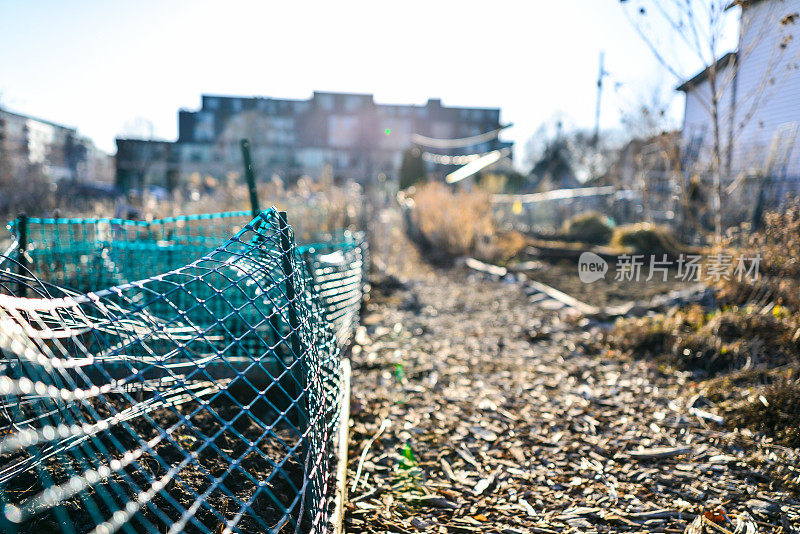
column 600, row 77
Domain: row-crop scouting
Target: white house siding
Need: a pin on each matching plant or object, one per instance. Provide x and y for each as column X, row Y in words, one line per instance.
column 768, row 84
column 766, row 91
column 698, row 131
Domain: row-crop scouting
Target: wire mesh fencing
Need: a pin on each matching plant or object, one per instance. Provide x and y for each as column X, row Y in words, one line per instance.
column 203, row 398
column 338, row 272
column 545, row 213
column 87, row 254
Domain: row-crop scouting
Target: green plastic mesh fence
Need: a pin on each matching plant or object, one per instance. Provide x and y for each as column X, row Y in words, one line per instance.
column 338, row 272
column 202, row 399
column 87, row 254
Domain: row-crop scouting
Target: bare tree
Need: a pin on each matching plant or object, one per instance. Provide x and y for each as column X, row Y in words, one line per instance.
column 646, row 114
column 701, row 27
column 556, row 148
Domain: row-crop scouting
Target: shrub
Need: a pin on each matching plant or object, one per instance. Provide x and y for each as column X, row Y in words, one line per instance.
column 654, row 335
column 778, row 244
column 775, row 411
column 589, row 227
column 412, row 168
column 451, row 223
column 779, row 241
column 711, row 342
column 735, row 338
column 646, row 238
column 500, row 247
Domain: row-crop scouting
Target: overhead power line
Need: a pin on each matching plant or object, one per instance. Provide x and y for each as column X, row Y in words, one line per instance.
column 442, row 159
column 557, row 194
column 431, row 142
column 476, row 166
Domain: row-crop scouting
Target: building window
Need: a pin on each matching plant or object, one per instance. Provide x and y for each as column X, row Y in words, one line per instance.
column 352, row 103
column 342, row 131
column 342, row 160
column 204, row 126
column 311, row 158
column 281, row 131
column 442, row 130
column 325, row 102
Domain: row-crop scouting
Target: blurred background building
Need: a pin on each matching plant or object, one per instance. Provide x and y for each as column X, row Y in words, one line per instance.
column 350, row 133
column 57, row 152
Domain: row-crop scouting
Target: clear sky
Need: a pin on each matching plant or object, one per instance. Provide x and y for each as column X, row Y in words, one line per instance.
column 100, row 66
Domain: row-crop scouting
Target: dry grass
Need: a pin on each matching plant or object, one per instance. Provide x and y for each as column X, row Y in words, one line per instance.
column 750, row 348
column 451, row 223
column 313, row 206
column 645, row 238
column 588, row 227
column 773, row 410
column 500, row 248
column 720, row 341
column 778, row 244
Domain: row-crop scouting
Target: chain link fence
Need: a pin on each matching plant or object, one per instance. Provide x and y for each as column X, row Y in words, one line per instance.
column 86, row 254
column 545, row 213
column 189, row 395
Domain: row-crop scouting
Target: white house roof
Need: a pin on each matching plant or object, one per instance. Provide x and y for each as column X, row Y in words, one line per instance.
column 722, row 63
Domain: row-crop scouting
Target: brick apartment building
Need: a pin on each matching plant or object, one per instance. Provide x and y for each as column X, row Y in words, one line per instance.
column 357, row 137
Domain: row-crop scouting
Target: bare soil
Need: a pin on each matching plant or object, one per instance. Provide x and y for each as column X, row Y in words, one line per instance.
column 226, row 456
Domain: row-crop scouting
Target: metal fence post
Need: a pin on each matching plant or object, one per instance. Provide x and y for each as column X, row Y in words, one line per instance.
column 291, row 295
column 303, row 407
column 22, row 240
column 249, row 173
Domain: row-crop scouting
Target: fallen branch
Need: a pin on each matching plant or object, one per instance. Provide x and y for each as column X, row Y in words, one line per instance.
column 384, row 425
column 553, row 293
column 487, row 268
column 337, row 517
column 659, row 452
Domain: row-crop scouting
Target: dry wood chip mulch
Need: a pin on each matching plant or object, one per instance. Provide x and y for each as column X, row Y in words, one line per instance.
column 477, row 408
